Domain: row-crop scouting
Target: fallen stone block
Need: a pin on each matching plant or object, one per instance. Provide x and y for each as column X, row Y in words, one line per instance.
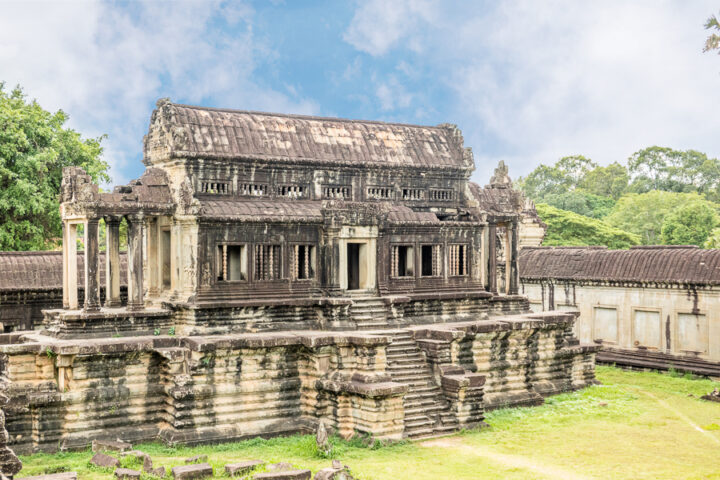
column 242, row 468
column 198, row 470
column 158, row 472
column 102, row 460
column 53, row 476
column 147, row 464
column 284, row 475
column 196, row 459
column 277, row 467
column 110, row 446
column 333, row 473
column 127, row 474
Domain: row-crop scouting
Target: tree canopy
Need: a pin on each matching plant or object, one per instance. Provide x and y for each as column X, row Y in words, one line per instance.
column 34, row 148
column 689, row 224
column 571, row 229
column 713, row 40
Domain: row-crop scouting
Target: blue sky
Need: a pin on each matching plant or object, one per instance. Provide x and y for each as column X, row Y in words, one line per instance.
column 527, row 81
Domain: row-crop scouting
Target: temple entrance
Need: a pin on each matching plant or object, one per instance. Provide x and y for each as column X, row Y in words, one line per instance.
column 353, row 265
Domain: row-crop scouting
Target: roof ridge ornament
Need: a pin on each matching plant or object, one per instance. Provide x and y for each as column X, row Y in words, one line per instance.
column 500, row 178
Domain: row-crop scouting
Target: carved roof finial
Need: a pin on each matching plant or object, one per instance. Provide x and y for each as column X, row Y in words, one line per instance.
column 500, row 178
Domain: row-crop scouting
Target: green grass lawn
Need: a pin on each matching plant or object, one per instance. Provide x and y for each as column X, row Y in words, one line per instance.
column 637, row 425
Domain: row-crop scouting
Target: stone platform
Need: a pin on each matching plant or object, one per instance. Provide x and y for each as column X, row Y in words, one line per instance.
column 409, row 382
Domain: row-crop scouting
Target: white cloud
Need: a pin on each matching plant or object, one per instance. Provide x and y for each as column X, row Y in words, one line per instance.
column 533, row 81
column 392, row 94
column 106, row 63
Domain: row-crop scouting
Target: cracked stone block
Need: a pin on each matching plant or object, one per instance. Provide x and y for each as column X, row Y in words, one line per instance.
column 284, row 475
column 197, row 459
column 102, row 460
column 127, row 474
column 158, row 472
column 53, row 476
column 242, row 468
column 110, row 446
column 186, row 472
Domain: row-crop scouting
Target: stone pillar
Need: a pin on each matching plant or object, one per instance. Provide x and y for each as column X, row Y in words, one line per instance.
column 512, row 259
column 70, row 284
column 332, row 259
column 153, row 260
column 112, row 262
column 492, row 259
column 92, row 272
column 135, row 262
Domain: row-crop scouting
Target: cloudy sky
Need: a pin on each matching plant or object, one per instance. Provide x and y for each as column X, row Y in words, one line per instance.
column 526, row 81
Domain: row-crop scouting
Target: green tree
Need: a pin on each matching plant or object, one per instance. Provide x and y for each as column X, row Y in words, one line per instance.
column 34, row 148
column 713, row 40
column 713, row 240
column 644, row 213
column 582, row 202
column 662, row 168
column 689, row 224
column 565, row 175
column 571, row 229
column 611, row 181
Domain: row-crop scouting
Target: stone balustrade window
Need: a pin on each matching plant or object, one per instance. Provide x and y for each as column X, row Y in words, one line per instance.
column 232, row 263
column 303, row 262
column 253, row 189
column 413, row 194
column 292, row 191
column 430, row 261
column 402, row 261
column 380, row 193
column 337, row 191
column 458, row 260
column 215, row 188
column 268, row 262
column 442, row 195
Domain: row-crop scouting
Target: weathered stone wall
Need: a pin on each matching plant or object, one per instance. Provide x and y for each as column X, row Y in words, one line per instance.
column 681, row 329
column 196, row 390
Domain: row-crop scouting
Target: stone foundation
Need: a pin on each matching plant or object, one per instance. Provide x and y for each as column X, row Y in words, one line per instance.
column 217, row 388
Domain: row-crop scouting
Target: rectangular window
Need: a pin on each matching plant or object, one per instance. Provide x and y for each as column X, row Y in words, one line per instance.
column 402, row 261
column 605, row 324
column 215, row 188
column 232, row 263
column 380, row 193
column 647, row 329
column 303, row 262
column 337, row 191
column 458, row 260
column 292, row 191
column 252, row 189
column 267, row 262
column 692, row 333
column 441, row 195
column 430, row 260
column 413, row 194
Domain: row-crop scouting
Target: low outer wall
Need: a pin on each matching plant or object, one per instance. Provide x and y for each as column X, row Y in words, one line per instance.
column 653, row 326
column 64, row 394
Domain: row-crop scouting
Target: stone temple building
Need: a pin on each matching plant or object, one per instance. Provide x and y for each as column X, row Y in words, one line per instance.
column 283, row 270
column 649, row 307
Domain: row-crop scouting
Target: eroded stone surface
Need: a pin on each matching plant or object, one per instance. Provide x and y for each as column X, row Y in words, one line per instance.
column 284, row 475
column 110, row 446
column 187, row 472
column 53, row 476
column 102, row 460
column 242, row 468
column 127, row 474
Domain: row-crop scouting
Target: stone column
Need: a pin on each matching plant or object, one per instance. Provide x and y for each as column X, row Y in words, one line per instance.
column 492, row 259
column 512, row 263
column 65, row 248
column 135, row 262
column 92, row 252
column 332, row 259
column 70, row 287
column 153, row 260
column 112, row 262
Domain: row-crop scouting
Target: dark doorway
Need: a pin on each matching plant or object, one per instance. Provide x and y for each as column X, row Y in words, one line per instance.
column 165, row 248
column 353, row 266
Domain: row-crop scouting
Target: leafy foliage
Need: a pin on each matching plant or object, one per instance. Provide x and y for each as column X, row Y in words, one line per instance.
column 581, row 202
column 572, row 229
column 611, row 181
column 713, row 40
column 643, row 214
column 34, row 148
column 689, row 224
column 564, row 176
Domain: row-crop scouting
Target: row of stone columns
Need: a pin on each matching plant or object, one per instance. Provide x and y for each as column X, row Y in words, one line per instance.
column 112, row 267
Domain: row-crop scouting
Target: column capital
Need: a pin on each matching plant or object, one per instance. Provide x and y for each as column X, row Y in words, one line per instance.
column 113, row 219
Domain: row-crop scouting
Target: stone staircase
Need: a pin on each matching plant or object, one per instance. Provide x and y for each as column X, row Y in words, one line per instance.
column 426, row 410
column 369, row 313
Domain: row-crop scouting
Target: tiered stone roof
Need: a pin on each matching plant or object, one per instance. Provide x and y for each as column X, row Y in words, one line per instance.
column 679, row 264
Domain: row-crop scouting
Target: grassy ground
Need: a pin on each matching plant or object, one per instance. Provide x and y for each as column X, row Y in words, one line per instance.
column 637, row 425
